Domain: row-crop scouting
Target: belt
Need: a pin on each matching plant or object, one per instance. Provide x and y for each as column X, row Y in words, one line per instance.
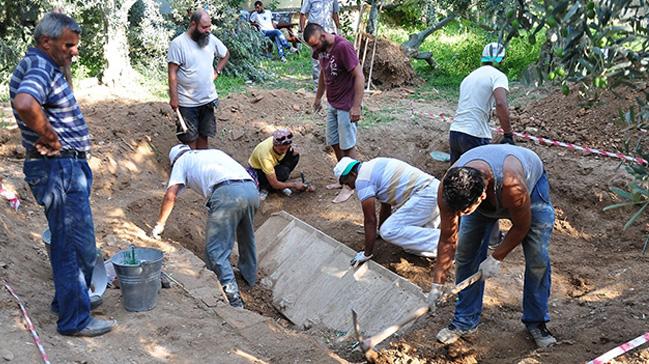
column 64, row 154
column 229, row 182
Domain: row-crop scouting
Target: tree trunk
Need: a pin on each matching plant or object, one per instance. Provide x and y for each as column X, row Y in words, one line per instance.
column 118, row 63
column 415, row 40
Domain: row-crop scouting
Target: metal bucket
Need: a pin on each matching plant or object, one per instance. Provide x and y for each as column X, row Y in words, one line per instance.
column 139, row 282
column 99, row 277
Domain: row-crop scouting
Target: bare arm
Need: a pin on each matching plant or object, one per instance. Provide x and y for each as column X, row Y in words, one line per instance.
column 168, row 203
column 172, row 72
column 359, row 90
column 302, row 22
column 384, row 213
column 448, row 239
column 515, row 198
column 502, row 109
column 32, row 115
column 336, row 19
column 222, row 62
column 317, row 103
column 369, row 223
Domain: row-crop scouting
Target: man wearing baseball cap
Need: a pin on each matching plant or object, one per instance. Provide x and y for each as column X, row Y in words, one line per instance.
column 398, row 186
column 232, row 200
column 479, row 92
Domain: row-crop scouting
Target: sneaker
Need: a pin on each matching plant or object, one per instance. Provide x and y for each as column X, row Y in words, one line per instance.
column 451, row 334
column 263, row 194
column 287, row 191
column 234, row 297
column 283, row 59
column 96, row 327
column 541, row 335
column 294, row 50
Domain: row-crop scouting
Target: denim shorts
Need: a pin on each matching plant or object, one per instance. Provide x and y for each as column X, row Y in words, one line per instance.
column 340, row 129
column 200, row 121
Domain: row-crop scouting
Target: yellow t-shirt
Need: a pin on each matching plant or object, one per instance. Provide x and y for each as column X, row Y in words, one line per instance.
column 264, row 157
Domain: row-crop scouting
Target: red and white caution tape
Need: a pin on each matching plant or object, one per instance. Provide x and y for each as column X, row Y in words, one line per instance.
column 30, row 325
column 14, row 202
column 550, row 142
column 627, row 346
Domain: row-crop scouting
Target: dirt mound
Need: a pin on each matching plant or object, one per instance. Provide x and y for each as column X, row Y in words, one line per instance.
column 572, row 119
column 392, row 67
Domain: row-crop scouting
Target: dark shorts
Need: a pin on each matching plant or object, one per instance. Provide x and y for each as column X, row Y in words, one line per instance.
column 460, row 143
column 200, row 121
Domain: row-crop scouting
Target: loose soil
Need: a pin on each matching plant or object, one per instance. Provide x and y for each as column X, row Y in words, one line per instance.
column 391, row 69
column 599, row 278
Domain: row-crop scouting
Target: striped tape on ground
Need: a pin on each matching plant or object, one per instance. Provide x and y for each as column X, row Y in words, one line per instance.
column 621, row 349
column 30, row 325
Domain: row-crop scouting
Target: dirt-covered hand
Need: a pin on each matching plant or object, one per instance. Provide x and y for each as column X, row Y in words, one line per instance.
column 436, row 295
column 48, row 146
column 355, row 113
column 489, row 267
column 317, row 105
column 508, row 138
column 157, row 231
column 360, row 258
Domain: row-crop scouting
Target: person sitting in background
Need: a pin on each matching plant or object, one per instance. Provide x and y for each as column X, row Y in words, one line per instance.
column 272, row 162
column 263, row 20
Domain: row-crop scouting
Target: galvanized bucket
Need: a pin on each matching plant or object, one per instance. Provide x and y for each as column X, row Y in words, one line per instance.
column 139, row 277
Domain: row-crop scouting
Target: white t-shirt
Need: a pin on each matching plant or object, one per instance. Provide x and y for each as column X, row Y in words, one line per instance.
column 390, row 180
column 264, row 20
column 196, row 72
column 200, row 170
column 477, row 100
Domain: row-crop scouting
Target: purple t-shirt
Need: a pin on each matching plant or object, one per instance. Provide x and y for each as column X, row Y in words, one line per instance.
column 337, row 66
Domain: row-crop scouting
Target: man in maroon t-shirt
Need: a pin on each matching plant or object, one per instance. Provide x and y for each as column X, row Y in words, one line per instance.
column 342, row 75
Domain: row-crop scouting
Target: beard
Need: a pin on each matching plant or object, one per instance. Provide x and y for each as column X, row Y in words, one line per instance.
column 324, row 45
column 201, row 38
column 67, row 73
column 261, row 11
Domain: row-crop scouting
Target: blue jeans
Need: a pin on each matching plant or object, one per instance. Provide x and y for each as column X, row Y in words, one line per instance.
column 471, row 250
column 461, row 142
column 280, row 41
column 63, row 187
column 232, row 209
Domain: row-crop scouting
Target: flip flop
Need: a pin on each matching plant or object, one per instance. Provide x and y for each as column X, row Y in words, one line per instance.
column 343, row 195
column 334, row 186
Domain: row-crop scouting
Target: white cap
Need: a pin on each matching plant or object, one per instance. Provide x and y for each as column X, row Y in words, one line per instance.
column 344, row 166
column 493, row 52
column 175, row 151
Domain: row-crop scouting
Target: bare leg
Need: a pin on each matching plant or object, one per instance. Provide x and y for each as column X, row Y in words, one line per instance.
column 337, row 151
column 351, row 153
column 201, row 142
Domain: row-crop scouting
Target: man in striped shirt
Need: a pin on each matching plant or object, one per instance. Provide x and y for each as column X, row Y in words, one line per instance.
column 395, row 185
column 55, row 136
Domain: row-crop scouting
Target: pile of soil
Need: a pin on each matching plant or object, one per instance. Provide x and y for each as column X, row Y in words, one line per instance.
column 391, row 68
column 593, row 122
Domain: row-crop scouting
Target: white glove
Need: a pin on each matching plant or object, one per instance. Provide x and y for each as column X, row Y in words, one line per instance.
column 436, row 295
column 489, row 267
column 360, row 258
column 157, row 231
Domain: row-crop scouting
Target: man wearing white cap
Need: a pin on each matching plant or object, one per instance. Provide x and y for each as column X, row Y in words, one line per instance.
column 232, row 200
column 479, row 92
column 395, row 185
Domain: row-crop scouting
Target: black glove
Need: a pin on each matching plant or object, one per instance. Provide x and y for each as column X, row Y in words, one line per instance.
column 508, row 138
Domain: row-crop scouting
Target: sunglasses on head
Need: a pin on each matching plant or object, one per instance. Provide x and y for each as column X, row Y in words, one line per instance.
column 285, row 139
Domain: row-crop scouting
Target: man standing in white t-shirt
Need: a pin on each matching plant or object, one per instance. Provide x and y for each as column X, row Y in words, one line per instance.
column 263, row 19
column 232, row 201
column 191, row 75
column 479, row 91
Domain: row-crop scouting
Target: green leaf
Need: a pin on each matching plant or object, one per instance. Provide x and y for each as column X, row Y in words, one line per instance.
column 621, row 204
column 620, row 192
column 635, row 216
